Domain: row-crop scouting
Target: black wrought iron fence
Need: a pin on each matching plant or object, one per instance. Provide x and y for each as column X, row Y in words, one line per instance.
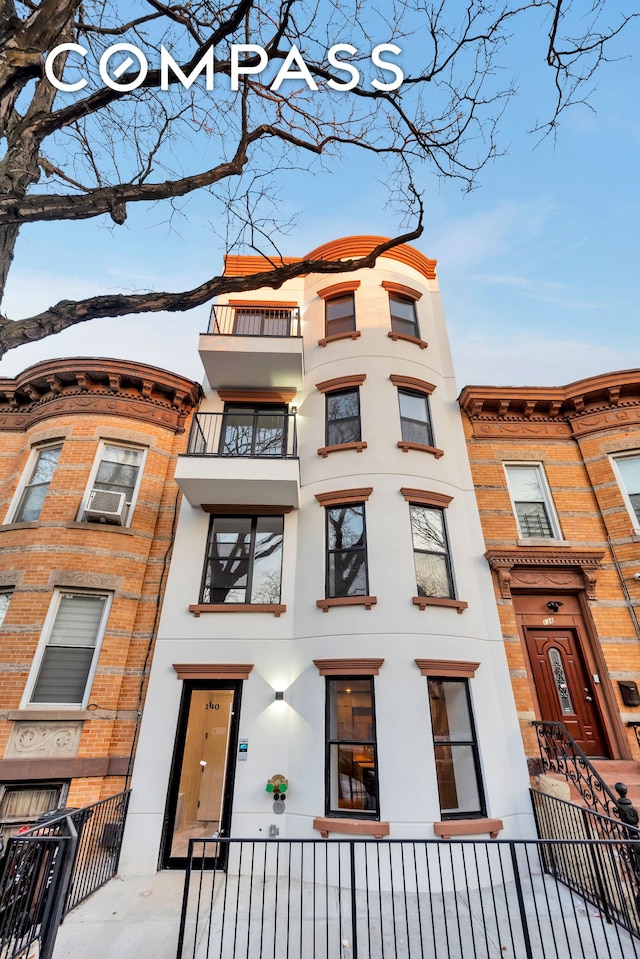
column 606, row 875
column 52, row 867
column 394, row 899
column 255, row 321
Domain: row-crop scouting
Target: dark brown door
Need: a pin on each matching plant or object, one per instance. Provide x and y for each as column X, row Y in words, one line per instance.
column 564, row 687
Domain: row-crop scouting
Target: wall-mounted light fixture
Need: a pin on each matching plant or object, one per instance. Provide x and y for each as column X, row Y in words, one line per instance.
column 294, row 409
column 554, row 605
column 279, row 695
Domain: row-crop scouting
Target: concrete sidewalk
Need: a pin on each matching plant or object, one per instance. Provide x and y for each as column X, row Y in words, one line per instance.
column 132, row 918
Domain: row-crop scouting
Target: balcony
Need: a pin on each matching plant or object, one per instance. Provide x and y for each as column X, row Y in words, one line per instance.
column 259, row 347
column 241, row 458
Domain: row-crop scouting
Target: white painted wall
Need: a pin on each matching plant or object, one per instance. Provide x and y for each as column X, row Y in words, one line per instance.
column 289, row 737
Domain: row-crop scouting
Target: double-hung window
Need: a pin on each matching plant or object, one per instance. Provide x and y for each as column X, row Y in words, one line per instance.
column 532, row 503
column 456, row 749
column 628, row 472
column 404, row 318
column 37, row 486
column 118, row 470
column 343, row 417
column 63, row 673
column 351, row 757
column 415, row 418
column 340, row 314
column 431, row 551
column 244, row 560
column 346, row 551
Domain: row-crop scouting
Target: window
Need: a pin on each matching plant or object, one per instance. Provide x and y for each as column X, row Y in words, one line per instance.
column 69, row 656
column 532, row 501
column 415, row 419
column 5, row 599
column 254, row 431
column 343, row 417
column 431, row 551
column 346, row 551
column 351, row 757
column 340, row 314
column 628, row 470
column 22, row 804
column 456, row 749
column 244, row 560
column 36, row 488
column 119, row 470
column 403, row 315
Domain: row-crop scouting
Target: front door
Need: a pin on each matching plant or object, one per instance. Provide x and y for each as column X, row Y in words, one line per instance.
column 200, row 792
column 564, row 686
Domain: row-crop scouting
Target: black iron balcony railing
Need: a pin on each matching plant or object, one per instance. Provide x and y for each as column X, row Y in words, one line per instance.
column 255, row 321
column 261, row 434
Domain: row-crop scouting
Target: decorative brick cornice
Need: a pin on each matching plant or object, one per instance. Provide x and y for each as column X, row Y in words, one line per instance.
column 599, row 402
column 515, row 566
column 96, row 386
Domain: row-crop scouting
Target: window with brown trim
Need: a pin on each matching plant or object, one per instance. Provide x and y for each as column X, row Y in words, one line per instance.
column 351, row 752
column 455, row 746
column 339, row 315
column 343, row 417
column 415, row 418
column 404, row 318
column 244, row 560
column 431, row 551
column 346, row 573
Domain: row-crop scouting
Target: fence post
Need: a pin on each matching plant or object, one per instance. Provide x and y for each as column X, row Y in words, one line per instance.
column 56, row 910
column 354, row 914
column 521, row 905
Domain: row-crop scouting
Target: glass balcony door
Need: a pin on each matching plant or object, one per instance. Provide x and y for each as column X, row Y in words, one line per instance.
column 254, row 431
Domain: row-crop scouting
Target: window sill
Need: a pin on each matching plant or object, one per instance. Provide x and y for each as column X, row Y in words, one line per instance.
column 408, row 339
column 56, row 714
column 353, row 827
column 25, row 525
column 467, row 827
column 405, row 447
column 423, row 601
column 366, row 601
column 350, row 335
column 358, row 446
column 544, row 541
column 274, row 608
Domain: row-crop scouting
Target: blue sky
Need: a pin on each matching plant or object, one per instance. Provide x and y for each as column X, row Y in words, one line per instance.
column 538, row 267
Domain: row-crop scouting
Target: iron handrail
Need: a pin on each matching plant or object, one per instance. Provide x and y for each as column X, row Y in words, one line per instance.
column 258, row 435
column 561, row 754
column 272, row 321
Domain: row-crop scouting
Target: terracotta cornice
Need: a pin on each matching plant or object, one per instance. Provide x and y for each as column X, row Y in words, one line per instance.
column 213, row 670
column 348, row 247
column 507, row 564
column 401, row 290
column 425, row 497
column 595, row 394
column 97, row 386
column 456, row 669
column 348, row 667
column 338, row 289
column 341, row 382
column 412, row 383
column 341, row 497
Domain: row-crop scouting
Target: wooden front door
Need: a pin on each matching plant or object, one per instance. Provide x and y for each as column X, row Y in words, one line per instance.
column 564, row 686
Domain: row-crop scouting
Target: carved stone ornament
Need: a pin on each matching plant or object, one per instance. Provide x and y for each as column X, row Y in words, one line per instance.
column 544, row 568
column 44, row 740
column 73, row 578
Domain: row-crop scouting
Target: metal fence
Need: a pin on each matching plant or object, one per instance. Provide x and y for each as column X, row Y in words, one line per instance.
column 53, row 867
column 394, row 899
column 246, row 434
column 255, row 321
column 606, row 875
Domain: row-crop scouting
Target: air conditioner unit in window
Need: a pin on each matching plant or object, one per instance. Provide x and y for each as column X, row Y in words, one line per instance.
column 105, row 506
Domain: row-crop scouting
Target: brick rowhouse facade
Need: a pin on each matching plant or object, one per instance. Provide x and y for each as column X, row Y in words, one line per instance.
column 67, row 426
column 554, row 471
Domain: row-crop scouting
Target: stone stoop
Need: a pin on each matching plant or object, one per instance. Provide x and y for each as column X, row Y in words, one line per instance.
column 621, row 771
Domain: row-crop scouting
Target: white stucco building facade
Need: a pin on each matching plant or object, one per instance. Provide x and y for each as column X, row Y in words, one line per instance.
column 329, row 614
